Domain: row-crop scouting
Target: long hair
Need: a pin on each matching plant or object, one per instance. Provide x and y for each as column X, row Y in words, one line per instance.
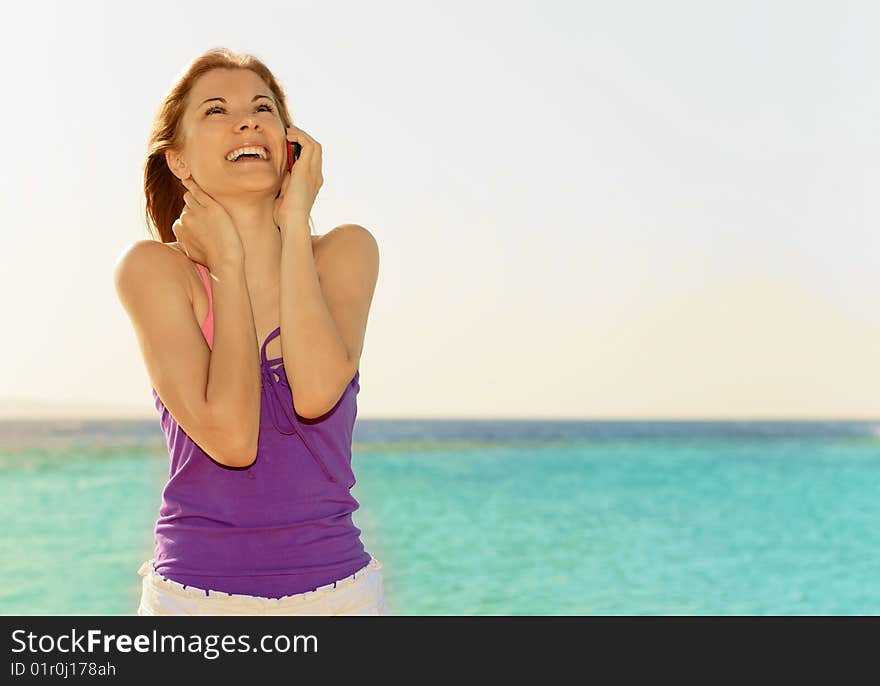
column 163, row 190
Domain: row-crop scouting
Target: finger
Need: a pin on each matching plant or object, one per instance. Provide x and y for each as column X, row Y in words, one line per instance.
column 294, row 131
column 310, row 147
column 309, row 155
column 190, row 200
column 197, row 193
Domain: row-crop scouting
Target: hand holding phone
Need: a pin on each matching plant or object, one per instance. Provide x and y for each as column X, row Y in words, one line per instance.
column 293, row 151
column 296, row 196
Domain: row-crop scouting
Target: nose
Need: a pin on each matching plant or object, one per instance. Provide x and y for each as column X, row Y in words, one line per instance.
column 251, row 119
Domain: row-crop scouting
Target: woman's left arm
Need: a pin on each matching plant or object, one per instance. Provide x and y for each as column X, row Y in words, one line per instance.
column 325, row 318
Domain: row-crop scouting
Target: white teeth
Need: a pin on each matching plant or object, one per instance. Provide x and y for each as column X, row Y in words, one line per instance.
column 235, row 154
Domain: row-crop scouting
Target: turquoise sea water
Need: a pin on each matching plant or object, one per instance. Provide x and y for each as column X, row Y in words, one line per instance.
column 520, row 518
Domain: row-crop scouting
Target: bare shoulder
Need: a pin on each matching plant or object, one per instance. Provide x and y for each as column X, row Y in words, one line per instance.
column 145, row 251
column 347, row 242
column 150, row 257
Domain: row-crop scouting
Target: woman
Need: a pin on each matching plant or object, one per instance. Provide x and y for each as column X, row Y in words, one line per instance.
column 256, row 516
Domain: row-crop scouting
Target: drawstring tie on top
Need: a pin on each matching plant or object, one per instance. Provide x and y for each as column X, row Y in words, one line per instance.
column 268, row 370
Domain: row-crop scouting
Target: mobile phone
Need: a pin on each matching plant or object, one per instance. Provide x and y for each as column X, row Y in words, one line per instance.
column 293, row 151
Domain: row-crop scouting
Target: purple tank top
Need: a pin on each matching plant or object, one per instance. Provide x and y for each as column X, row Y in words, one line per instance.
column 279, row 527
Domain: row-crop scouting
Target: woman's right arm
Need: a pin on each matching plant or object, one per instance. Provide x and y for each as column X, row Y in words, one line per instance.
column 213, row 395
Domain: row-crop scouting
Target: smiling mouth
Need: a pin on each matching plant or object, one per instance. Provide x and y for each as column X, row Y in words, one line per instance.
column 248, row 158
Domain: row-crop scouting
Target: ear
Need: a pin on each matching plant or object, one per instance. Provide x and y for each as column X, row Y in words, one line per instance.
column 176, row 164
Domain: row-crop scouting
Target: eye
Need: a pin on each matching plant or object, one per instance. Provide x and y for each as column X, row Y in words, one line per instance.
column 210, row 110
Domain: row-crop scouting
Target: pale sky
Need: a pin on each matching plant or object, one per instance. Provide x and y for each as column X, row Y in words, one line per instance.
column 583, row 209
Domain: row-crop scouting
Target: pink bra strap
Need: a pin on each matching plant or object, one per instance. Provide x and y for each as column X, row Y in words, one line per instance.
column 205, row 280
column 208, row 325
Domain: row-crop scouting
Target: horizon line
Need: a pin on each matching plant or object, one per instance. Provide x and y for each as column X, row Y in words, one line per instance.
column 485, row 418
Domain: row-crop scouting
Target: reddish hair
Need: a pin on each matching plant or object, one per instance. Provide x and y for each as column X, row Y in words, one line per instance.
column 163, row 190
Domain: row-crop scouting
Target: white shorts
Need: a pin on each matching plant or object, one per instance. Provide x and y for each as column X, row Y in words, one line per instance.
column 361, row 593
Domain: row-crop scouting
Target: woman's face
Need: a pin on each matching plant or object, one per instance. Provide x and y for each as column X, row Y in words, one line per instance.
column 214, row 128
